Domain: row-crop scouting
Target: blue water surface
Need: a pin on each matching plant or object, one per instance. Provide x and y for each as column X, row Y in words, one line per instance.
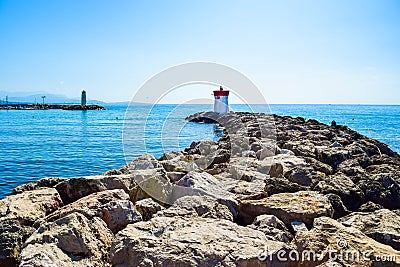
column 60, row 143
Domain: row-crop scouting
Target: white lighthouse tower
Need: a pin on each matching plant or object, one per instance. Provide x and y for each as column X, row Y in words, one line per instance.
column 221, row 105
column 83, row 98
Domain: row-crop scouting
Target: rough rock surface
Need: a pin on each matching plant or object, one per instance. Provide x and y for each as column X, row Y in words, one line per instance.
column 328, row 238
column 381, row 225
column 272, row 227
column 201, row 206
column 176, row 241
column 147, row 208
column 70, row 241
column 29, row 206
column 301, row 206
column 12, row 237
column 270, row 184
column 42, row 183
column 113, row 206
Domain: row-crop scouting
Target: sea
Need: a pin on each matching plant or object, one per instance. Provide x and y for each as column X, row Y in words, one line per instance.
column 63, row 143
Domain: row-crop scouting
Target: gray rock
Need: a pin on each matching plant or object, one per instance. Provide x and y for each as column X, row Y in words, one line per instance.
column 29, row 206
column 201, row 206
column 70, row 241
column 148, row 207
column 44, row 182
column 382, row 225
column 175, row 176
column 282, row 185
column 329, row 235
column 283, row 163
column 351, row 195
column 118, row 214
column 369, row 206
column 199, row 184
column 112, row 206
column 139, row 184
column 272, row 227
column 319, row 166
column 339, row 210
column 143, row 162
column 304, row 148
column 301, row 206
column 174, row 241
column 332, row 156
column 382, row 189
column 177, row 165
column 336, row 144
column 305, row 176
column 12, row 236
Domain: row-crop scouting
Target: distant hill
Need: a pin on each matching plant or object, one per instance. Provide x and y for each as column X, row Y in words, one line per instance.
column 36, row 97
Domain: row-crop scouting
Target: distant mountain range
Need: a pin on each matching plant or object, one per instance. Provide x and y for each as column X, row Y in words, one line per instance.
column 36, row 97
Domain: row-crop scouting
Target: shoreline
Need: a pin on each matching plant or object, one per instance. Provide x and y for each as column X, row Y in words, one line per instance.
column 50, row 106
column 247, row 190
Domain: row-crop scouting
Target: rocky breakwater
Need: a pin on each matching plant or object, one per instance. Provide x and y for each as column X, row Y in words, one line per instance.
column 273, row 191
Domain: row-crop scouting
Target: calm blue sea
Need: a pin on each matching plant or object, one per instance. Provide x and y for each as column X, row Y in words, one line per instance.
column 58, row 143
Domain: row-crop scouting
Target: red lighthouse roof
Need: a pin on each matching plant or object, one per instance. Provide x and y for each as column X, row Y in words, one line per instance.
column 221, row 92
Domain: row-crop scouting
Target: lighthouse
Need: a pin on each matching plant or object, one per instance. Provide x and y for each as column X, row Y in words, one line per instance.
column 221, row 101
column 83, row 98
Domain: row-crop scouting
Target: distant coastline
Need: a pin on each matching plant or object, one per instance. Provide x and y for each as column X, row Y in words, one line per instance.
column 21, row 106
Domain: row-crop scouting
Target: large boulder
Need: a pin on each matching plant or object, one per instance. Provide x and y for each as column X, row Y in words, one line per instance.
column 70, row 241
column 143, row 162
column 44, row 182
column 113, row 206
column 202, row 206
column 178, row 165
column 29, row 206
column 382, row 225
column 139, row 184
column 283, row 163
column 332, row 156
column 175, row 241
column 341, row 185
column 76, row 188
column 329, row 239
column 301, row 206
column 12, row 236
column 147, row 208
column 242, row 189
column 199, row 184
column 382, row 189
column 304, row 148
column 272, row 227
column 319, row 166
column 282, row 185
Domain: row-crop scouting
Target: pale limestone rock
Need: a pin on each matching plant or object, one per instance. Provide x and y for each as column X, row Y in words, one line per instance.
column 382, row 225
column 113, row 206
column 70, row 241
column 148, row 207
column 175, row 241
column 301, row 206
column 328, row 235
column 29, row 206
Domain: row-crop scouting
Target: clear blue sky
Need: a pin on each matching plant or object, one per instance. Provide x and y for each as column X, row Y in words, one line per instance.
column 295, row 51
